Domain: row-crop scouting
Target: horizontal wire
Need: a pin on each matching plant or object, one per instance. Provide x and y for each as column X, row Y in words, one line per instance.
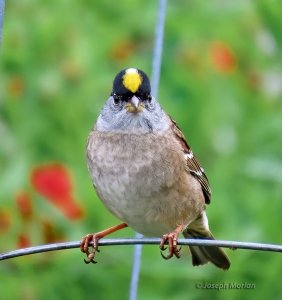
column 143, row 241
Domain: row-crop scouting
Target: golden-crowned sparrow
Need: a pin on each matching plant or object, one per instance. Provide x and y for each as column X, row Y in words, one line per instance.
column 146, row 174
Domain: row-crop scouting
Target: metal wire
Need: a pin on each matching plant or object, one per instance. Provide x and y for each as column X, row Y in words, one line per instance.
column 143, row 241
column 2, row 6
column 135, row 274
column 158, row 48
column 156, row 70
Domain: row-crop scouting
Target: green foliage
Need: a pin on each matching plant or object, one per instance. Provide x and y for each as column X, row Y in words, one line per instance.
column 221, row 80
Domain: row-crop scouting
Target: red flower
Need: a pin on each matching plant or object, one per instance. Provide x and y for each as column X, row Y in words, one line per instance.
column 23, row 241
column 53, row 182
column 222, row 57
column 24, row 205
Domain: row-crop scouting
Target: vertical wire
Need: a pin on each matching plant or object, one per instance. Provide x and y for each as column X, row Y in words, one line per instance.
column 158, row 48
column 2, row 6
column 156, row 69
column 135, row 269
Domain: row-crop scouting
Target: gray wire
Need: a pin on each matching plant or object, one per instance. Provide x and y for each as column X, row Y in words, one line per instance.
column 143, row 241
column 156, row 69
column 135, row 269
column 158, row 48
column 2, row 6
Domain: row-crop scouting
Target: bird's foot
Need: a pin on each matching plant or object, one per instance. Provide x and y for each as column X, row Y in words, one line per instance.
column 91, row 240
column 85, row 246
column 171, row 240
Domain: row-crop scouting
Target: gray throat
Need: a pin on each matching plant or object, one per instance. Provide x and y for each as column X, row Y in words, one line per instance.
column 149, row 120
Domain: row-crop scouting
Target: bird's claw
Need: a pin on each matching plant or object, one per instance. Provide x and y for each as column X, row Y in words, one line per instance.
column 85, row 244
column 91, row 240
column 173, row 250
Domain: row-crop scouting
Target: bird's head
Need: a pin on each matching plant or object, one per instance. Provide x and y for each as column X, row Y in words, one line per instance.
column 131, row 106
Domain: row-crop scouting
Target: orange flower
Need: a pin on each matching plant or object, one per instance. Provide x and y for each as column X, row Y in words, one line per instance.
column 16, row 86
column 24, row 205
column 5, row 221
column 53, row 182
column 50, row 233
column 122, row 50
column 222, row 57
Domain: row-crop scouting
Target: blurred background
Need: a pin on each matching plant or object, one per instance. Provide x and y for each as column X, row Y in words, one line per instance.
column 221, row 80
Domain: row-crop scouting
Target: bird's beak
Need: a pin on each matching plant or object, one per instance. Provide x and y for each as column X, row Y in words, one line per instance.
column 134, row 105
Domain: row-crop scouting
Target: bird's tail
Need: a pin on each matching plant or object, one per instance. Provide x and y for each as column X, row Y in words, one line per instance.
column 201, row 255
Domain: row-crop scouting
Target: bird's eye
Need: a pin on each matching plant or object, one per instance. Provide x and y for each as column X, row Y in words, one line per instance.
column 116, row 98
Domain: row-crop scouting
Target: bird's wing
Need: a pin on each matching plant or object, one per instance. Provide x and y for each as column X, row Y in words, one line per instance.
column 192, row 163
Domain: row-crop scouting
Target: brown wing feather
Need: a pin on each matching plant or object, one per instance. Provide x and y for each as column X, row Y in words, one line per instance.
column 192, row 163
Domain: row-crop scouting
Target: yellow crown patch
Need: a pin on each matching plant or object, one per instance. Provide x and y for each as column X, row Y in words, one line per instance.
column 132, row 80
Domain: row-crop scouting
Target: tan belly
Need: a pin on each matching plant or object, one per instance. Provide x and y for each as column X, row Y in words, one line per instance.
column 149, row 190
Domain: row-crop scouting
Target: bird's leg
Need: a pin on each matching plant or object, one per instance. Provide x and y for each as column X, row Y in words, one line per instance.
column 95, row 237
column 171, row 238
